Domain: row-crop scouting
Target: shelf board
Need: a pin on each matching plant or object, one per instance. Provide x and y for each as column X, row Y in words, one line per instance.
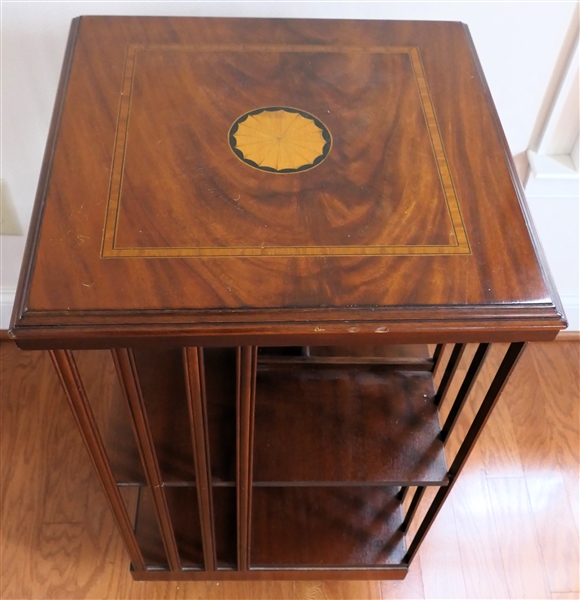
column 326, row 527
column 346, row 426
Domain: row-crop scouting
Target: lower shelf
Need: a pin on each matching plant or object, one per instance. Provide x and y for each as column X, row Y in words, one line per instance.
column 293, row 528
column 318, row 527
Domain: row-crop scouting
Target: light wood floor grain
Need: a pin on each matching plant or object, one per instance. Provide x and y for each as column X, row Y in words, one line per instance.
column 509, row 530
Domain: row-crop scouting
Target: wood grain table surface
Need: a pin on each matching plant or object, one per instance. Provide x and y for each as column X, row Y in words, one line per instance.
column 225, row 178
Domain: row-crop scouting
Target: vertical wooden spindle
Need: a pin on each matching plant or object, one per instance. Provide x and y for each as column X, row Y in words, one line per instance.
column 246, row 396
column 70, row 379
column 129, row 380
column 501, row 377
column 447, row 378
column 196, row 403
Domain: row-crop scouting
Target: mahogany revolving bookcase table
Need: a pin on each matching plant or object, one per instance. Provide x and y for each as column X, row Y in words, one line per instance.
column 288, row 246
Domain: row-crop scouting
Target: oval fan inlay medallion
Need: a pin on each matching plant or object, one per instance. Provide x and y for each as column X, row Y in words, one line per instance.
column 278, row 139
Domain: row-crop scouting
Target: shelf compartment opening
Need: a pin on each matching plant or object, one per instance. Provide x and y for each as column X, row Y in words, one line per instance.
column 326, row 527
column 346, row 426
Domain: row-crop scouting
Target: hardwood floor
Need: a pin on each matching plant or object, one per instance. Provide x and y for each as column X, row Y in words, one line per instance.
column 509, row 530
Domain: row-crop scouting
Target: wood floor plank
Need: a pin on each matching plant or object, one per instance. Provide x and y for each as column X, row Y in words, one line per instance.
column 479, row 538
column 54, row 571
column 570, row 479
column 557, row 378
column 410, row 588
column 164, row 590
column 337, row 590
column 65, row 497
column 441, row 566
column 558, row 375
column 557, row 533
column 543, row 406
column 520, row 549
column 284, row 590
column 25, row 377
column 261, row 590
column 102, row 548
column 497, row 447
column 544, row 413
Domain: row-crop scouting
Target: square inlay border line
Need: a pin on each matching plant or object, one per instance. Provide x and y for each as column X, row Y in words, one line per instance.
column 111, row 250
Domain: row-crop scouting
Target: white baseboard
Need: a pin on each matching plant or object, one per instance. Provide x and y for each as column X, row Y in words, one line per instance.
column 6, row 304
column 572, row 310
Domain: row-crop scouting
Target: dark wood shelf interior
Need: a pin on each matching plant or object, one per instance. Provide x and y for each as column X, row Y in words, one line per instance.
column 332, row 446
column 184, row 511
column 342, row 426
column 357, row 424
column 162, row 379
column 373, row 351
column 220, row 382
column 147, row 532
column 183, row 508
column 97, row 371
column 225, row 525
column 326, row 527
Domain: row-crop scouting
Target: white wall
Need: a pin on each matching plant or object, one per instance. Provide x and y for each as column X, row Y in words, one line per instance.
column 552, row 188
column 519, row 44
column 557, row 221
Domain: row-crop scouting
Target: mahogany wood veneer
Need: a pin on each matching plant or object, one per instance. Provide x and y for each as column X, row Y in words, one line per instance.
column 267, row 222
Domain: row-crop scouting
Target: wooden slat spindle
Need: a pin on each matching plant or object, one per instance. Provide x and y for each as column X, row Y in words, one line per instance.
column 447, row 378
column 437, row 356
column 246, row 396
column 412, row 508
column 463, row 393
column 506, row 367
column 196, row 403
column 70, row 379
column 129, row 380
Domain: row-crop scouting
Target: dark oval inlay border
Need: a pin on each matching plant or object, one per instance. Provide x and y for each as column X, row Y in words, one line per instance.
column 324, row 130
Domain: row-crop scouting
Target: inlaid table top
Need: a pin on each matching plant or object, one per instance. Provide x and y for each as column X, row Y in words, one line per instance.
column 250, row 176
